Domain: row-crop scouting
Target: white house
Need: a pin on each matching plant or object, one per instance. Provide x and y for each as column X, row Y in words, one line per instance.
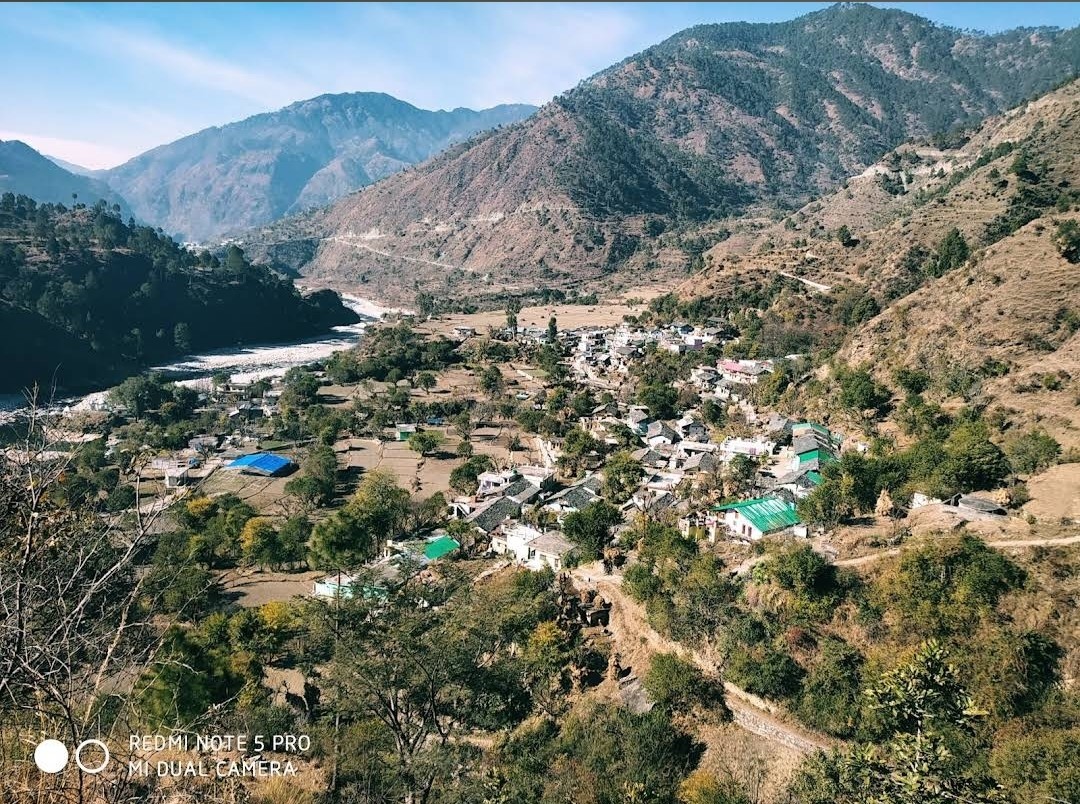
column 494, row 482
column 531, row 547
column 756, row 447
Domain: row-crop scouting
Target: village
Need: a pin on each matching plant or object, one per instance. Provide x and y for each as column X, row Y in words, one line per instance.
column 651, row 477
column 728, row 472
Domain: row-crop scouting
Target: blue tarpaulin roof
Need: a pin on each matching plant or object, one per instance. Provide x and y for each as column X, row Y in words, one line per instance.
column 262, row 462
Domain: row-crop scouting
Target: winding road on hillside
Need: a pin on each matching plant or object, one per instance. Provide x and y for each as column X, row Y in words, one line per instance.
column 634, row 637
column 637, row 640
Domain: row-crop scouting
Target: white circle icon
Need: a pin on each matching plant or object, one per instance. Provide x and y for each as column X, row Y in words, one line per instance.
column 87, row 744
column 51, row 756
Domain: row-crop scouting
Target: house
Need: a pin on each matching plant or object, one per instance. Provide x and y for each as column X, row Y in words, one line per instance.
column 700, row 462
column 540, row 476
column 799, row 483
column 464, row 332
column 265, row 464
column 704, row 377
column 659, row 433
column 757, row 447
column 403, row 431
column 751, row 520
column 638, row 420
column 204, row 444
column 494, row 482
column 573, row 498
column 531, row 547
column 491, row 516
column 692, row 429
column 521, row 491
column 744, row 372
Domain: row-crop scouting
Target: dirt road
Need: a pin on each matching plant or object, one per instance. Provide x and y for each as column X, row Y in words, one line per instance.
column 999, row 543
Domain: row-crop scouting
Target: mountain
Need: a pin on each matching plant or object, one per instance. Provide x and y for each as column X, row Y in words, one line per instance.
column 994, row 321
column 715, row 121
column 87, row 299
column 71, row 167
column 25, row 171
column 310, row 153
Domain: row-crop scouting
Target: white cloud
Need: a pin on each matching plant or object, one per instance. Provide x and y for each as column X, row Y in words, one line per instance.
column 87, row 154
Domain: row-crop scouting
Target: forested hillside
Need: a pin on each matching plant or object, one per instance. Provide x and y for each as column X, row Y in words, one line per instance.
column 706, row 125
column 86, row 297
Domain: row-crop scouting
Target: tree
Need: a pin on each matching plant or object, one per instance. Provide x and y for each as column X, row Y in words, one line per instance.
column 301, row 388
column 425, row 441
column 463, row 425
column 513, row 307
column 426, row 380
column 974, row 462
column 1067, row 239
column 492, row 382
column 659, row 399
column 376, row 512
column 463, row 477
column 1032, row 451
column 259, row 542
column 858, row 391
column 844, row 237
column 590, row 528
column 552, row 331
column 678, row 685
column 952, row 252
column 714, row 413
column 182, row 337
column 317, row 483
column 622, row 473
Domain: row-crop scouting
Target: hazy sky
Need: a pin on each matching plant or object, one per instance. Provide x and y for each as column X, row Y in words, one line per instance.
column 98, row 83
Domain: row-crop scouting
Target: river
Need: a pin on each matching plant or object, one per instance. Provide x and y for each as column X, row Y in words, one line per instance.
column 244, row 364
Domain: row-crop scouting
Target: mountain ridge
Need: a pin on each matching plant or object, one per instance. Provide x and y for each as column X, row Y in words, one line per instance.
column 252, row 171
column 681, row 137
column 26, row 171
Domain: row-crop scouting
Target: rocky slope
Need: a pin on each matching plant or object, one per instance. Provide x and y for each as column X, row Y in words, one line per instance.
column 25, row 171
column 1002, row 326
column 701, row 127
column 309, row 153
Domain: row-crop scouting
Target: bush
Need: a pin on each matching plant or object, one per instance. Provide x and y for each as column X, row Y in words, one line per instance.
column 769, row 673
column 677, row 685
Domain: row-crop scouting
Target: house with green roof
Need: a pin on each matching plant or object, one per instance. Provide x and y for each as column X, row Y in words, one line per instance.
column 751, row 520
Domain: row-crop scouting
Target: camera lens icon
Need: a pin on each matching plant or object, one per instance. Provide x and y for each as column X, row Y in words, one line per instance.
column 51, row 756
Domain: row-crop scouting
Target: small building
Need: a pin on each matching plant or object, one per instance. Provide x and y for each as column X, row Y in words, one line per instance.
column 338, row 585
column 265, row 464
column 440, row 547
column 539, row 476
column 494, row 482
column 491, row 516
column 751, row 520
column 531, row 547
column 981, row 506
column 403, row 431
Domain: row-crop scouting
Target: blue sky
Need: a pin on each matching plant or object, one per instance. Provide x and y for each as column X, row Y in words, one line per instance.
column 99, row 83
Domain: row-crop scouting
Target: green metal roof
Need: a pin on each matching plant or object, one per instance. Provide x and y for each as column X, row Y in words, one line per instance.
column 819, row 455
column 767, row 514
column 814, row 477
column 817, row 428
column 440, row 547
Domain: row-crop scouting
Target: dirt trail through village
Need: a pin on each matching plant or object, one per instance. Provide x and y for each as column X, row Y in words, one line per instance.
column 636, row 641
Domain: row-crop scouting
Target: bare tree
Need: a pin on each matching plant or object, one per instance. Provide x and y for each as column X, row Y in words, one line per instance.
column 75, row 623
